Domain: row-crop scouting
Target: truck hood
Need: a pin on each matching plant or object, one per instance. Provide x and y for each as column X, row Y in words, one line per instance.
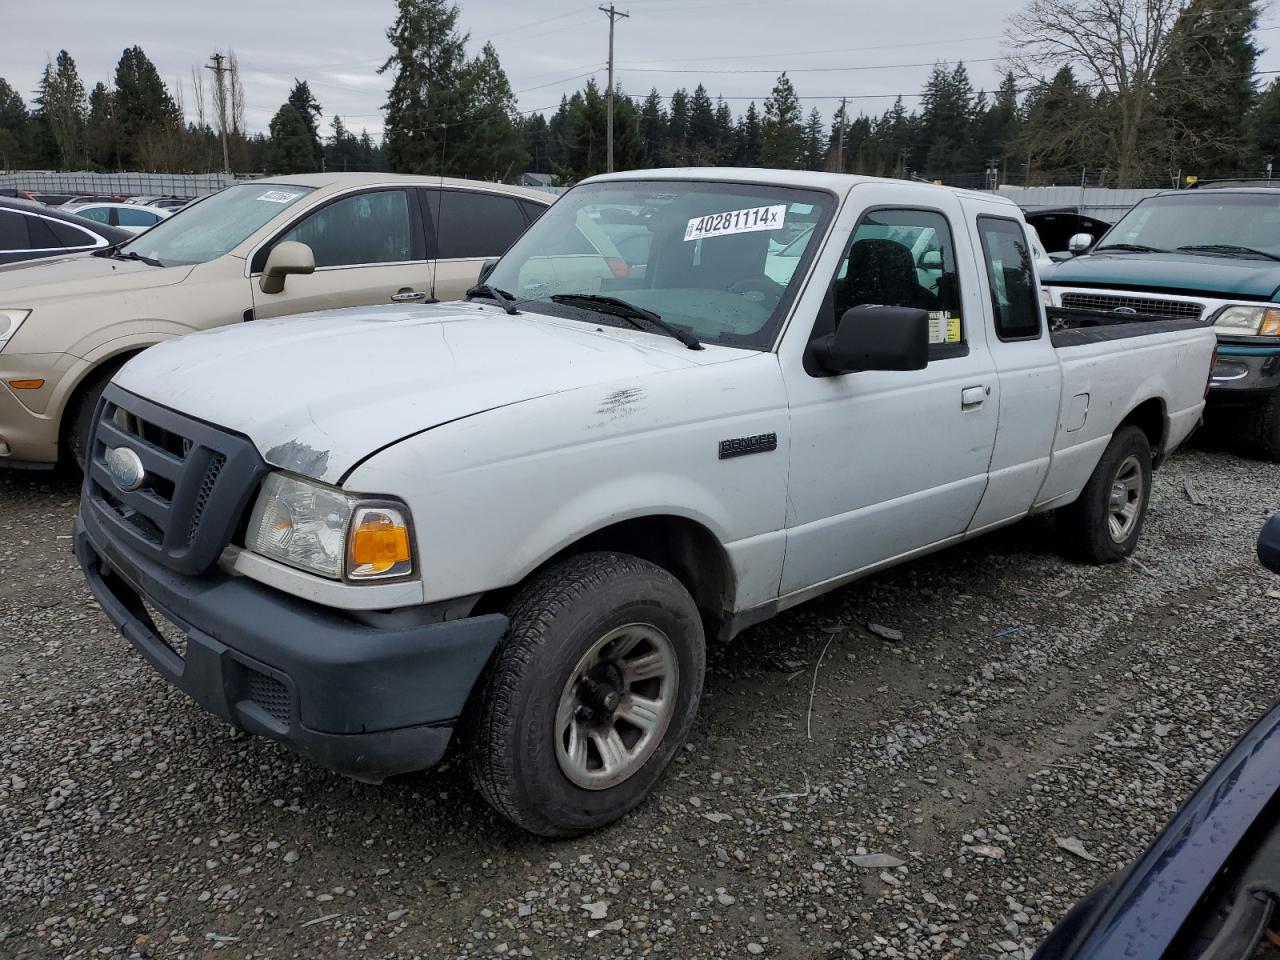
column 27, row 283
column 1224, row 277
column 319, row 393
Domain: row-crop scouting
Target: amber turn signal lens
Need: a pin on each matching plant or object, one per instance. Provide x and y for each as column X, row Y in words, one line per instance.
column 379, row 544
column 26, row 384
column 1270, row 326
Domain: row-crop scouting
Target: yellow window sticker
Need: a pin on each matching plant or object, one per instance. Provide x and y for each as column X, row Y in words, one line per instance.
column 943, row 328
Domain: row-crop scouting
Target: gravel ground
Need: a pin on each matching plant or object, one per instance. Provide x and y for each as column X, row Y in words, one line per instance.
column 1027, row 701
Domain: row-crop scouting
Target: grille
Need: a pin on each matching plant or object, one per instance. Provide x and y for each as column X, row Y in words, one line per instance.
column 196, row 481
column 268, row 693
column 1109, row 303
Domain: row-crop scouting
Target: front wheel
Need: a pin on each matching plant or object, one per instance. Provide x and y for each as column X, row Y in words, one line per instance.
column 1263, row 429
column 1104, row 524
column 590, row 696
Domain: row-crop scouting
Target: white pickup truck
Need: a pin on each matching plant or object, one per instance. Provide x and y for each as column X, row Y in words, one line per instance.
column 522, row 517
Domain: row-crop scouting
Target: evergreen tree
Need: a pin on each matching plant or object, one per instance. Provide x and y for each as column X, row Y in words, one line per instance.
column 490, row 145
column 426, row 96
column 289, row 148
column 60, row 107
column 1204, row 87
column 145, row 114
column 587, row 135
column 1263, row 127
column 102, row 133
column 702, row 128
column 677, row 152
column 302, row 100
column 945, row 136
column 749, row 140
column 653, row 129
column 537, row 143
column 342, row 152
column 815, row 141
column 13, row 127
column 1058, row 137
column 782, row 132
column 628, row 148
column 726, row 140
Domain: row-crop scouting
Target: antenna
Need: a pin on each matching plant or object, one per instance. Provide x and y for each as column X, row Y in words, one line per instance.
column 435, row 267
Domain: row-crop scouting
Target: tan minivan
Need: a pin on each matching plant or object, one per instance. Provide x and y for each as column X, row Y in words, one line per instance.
column 259, row 249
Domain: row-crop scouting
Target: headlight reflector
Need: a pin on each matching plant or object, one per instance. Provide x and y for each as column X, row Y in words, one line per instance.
column 10, row 321
column 379, row 545
column 1249, row 321
column 300, row 523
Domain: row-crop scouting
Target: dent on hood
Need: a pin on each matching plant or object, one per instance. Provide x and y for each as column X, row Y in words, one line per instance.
column 299, row 458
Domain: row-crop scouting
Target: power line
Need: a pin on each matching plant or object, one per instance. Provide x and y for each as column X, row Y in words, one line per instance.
column 771, row 70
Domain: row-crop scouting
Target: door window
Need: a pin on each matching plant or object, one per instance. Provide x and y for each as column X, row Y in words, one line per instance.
column 1012, row 277
column 97, row 214
column 42, row 234
column 365, row 228
column 136, row 218
column 473, row 225
column 905, row 258
column 67, row 235
column 13, row 231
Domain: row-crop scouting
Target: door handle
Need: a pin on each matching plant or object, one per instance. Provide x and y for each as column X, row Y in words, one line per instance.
column 406, row 295
column 973, row 396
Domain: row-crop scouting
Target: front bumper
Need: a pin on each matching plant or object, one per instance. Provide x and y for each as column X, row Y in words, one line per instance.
column 1244, row 374
column 366, row 702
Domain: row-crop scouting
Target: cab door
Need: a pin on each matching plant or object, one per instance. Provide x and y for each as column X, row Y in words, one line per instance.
column 369, row 248
column 887, row 463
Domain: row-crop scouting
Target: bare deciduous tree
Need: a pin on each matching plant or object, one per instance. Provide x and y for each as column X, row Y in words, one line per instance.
column 1115, row 47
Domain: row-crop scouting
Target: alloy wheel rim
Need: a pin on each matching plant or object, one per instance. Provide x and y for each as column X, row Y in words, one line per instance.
column 616, row 706
column 1124, row 504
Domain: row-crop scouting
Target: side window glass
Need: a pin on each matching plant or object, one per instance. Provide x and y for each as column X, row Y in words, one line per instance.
column 13, row 231
column 905, row 258
column 98, row 214
column 532, row 210
column 136, row 218
column 1013, row 285
column 365, row 228
column 42, row 235
column 473, row 225
column 68, row 236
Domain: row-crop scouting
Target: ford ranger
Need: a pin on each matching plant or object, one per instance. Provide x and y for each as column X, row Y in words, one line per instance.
column 520, row 519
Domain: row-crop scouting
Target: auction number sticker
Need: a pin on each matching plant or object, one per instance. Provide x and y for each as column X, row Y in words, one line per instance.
column 278, row 196
column 943, row 328
column 736, row 221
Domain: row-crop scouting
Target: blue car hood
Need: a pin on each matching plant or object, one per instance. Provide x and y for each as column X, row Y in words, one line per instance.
column 1230, row 278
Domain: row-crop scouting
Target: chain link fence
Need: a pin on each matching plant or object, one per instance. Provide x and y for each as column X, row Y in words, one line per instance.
column 126, row 184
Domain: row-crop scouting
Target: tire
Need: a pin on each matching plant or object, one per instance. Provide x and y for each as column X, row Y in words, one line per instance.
column 1262, row 429
column 1089, row 530
column 78, row 419
column 526, row 755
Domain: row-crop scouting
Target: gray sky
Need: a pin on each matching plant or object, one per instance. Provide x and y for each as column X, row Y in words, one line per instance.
column 866, row 50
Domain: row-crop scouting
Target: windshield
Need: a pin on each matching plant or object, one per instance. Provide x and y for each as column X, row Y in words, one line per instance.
column 1201, row 219
column 206, row 230
column 721, row 260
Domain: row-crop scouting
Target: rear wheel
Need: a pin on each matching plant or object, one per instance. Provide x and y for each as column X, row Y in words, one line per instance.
column 590, row 696
column 1104, row 524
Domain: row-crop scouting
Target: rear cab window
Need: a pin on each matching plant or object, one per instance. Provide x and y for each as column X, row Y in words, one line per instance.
column 1010, row 272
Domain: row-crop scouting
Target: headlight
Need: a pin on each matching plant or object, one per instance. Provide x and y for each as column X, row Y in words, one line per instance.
column 1249, row 321
column 325, row 531
column 10, row 321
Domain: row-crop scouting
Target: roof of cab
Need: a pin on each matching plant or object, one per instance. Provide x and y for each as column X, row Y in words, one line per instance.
column 336, row 181
column 838, row 183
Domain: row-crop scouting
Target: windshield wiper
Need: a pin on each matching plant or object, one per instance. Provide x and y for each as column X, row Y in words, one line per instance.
column 134, row 255
column 1132, row 247
column 617, row 307
column 503, row 299
column 1229, row 249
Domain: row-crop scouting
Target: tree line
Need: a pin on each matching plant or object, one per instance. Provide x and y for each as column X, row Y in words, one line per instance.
column 1116, row 92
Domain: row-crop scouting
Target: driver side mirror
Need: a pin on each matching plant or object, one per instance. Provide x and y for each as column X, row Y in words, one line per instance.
column 285, row 258
column 1269, row 544
column 1080, row 243
column 876, row 338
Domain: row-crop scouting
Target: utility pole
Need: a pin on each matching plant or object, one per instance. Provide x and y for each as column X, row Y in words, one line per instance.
column 219, row 69
column 613, row 14
column 840, row 137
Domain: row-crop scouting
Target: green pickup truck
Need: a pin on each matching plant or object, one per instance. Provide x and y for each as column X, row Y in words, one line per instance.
column 1210, row 255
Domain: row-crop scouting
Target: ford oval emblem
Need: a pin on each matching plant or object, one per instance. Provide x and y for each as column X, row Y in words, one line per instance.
column 125, row 468
column 1126, row 311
